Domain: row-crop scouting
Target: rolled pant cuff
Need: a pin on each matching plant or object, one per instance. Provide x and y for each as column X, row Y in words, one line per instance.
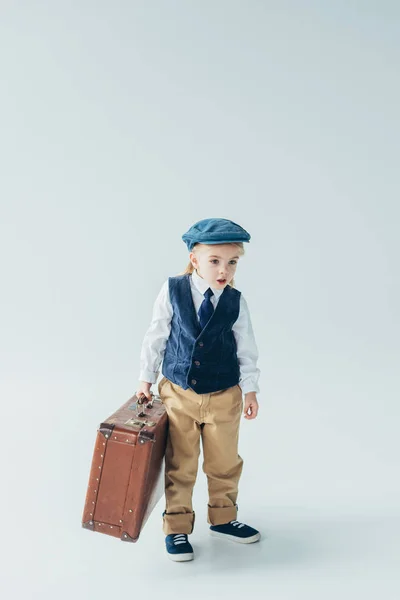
column 178, row 522
column 220, row 515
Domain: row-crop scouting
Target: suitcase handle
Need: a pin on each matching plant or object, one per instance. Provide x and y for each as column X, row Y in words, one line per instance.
column 144, row 403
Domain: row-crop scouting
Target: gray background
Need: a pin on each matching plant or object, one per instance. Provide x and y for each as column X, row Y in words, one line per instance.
column 122, row 123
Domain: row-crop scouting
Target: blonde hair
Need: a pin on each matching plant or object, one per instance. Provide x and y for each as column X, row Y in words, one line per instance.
column 190, row 268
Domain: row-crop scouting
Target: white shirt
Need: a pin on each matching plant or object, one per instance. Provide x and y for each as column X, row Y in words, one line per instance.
column 156, row 337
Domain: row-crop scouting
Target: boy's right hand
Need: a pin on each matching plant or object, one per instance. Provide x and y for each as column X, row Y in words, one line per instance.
column 144, row 389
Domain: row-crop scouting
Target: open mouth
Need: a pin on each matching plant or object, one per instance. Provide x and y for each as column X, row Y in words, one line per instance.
column 221, row 280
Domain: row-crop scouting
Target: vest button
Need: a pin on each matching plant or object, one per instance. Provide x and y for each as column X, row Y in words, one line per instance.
column 197, row 362
column 201, row 344
column 194, row 381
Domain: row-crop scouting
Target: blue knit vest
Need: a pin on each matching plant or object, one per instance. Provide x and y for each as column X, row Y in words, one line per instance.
column 203, row 360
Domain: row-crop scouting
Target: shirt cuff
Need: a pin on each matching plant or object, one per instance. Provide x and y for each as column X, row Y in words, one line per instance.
column 248, row 386
column 148, row 376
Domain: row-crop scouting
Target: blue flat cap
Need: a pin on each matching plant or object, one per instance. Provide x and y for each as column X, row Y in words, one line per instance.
column 214, row 231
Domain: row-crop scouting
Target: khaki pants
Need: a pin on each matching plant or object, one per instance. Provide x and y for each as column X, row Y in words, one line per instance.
column 215, row 417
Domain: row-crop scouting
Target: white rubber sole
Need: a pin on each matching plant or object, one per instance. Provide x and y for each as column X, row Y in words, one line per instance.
column 234, row 538
column 181, row 557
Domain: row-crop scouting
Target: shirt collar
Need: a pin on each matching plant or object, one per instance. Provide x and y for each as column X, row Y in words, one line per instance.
column 202, row 285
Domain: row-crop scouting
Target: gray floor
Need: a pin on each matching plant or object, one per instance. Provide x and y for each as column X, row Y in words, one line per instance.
column 303, row 553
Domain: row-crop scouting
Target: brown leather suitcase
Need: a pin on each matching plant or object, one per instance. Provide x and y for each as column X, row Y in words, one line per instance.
column 127, row 473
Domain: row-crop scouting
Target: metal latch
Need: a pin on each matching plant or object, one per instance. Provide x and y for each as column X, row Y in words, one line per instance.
column 134, row 423
column 138, row 423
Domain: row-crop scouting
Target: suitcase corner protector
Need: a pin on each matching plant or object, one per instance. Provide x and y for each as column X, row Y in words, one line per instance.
column 88, row 525
column 125, row 537
column 106, row 429
column 145, row 436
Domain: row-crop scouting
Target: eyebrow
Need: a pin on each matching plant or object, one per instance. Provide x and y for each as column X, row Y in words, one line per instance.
column 215, row 256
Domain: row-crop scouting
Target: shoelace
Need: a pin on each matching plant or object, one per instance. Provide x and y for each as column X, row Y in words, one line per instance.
column 179, row 538
column 237, row 524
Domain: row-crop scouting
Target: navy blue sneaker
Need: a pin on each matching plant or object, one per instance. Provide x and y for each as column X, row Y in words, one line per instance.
column 178, row 547
column 237, row 532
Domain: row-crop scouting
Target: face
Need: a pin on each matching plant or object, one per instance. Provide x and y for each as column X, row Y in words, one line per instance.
column 215, row 262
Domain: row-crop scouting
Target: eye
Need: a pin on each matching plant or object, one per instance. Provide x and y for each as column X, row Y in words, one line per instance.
column 216, row 260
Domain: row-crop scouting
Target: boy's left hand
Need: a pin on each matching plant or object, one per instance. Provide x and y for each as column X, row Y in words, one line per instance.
column 250, row 409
